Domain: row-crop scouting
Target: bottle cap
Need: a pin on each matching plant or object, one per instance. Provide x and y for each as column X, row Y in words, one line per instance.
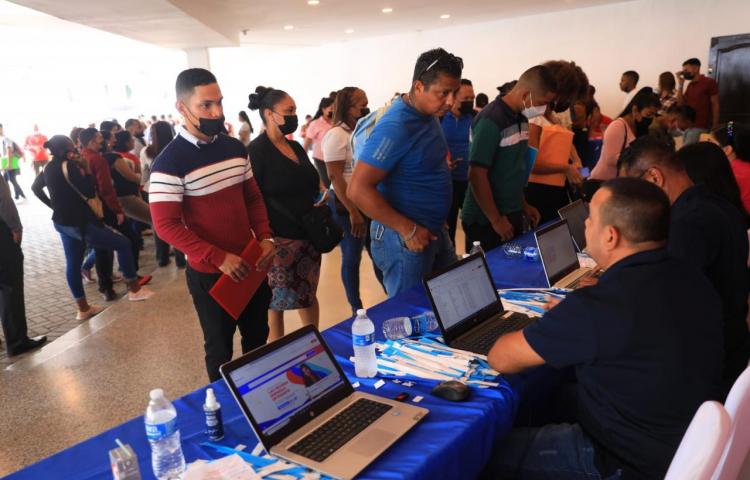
column 211, row 399
column 361, row 312
column 156, row 394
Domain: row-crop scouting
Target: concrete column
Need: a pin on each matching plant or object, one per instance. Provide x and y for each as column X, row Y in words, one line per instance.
column 198, row 58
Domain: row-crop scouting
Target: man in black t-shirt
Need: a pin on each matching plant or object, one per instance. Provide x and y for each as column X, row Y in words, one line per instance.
column 707, row 232
column 645, row 356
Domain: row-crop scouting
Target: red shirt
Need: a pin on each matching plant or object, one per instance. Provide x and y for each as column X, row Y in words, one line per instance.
column 99, row 168
column 741, row 171
column 698, row 95
column 35, row 144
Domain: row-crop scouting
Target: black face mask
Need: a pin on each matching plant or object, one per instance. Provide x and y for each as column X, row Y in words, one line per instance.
column 687, row 75
column 139, row 135
column 364, row 112
column 291, row 122
column 329, row 115
column 641, row 126
column 209, row 127
column 466, row 108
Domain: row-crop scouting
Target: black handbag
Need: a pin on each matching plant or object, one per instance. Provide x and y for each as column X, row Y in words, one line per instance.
column 318, row 223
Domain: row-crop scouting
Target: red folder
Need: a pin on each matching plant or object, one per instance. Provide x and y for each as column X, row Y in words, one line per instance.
column 234, row 296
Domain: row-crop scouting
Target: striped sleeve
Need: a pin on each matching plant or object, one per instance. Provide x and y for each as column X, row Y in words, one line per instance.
column 165, row 188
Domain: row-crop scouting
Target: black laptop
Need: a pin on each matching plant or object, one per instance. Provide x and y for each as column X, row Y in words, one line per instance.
column 467, row 307
column 576, row 214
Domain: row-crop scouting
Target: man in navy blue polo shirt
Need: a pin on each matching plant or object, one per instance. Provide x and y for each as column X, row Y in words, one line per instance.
column 456, row 125
column 402, row 180
column 646, row 343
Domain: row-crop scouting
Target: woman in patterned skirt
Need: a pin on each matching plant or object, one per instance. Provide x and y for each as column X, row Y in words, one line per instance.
column 290, row 185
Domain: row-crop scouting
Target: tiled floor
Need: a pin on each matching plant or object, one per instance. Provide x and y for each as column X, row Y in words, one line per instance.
column 97, row 374
column 50, row 309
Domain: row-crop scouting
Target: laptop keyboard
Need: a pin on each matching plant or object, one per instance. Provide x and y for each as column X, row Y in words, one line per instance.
column 339, row 429
column 483, row 341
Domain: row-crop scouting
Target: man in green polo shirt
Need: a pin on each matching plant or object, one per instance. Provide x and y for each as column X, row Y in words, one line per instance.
column 495, row 203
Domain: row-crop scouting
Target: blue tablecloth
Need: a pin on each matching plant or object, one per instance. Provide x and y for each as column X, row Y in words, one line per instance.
column 453, row 441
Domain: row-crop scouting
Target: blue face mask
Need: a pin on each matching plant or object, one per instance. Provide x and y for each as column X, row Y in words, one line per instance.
column 533, row 111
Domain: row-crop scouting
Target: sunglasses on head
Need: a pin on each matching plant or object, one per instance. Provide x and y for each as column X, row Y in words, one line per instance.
column 448, row 56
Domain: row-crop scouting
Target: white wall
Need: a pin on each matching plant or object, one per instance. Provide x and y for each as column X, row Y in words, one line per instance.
column 649, row 36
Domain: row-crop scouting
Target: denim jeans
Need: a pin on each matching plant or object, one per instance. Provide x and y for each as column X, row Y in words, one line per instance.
column 559, row 452
column 402, row 268
column 75, row 239
column 351, row 255
column 88, row 262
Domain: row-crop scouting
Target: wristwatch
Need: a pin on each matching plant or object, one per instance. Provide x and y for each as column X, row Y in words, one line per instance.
column 269, row 239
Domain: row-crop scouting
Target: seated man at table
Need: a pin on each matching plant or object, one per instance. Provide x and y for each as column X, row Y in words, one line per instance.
column 645, row 357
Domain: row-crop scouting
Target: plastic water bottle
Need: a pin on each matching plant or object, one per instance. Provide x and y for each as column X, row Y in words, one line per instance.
column 476, row 248
column 401, row 327
column 363, row 339
column 167, row 459
column 513, row 250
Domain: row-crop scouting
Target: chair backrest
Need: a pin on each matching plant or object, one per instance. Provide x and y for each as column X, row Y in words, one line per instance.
column 702, row 445
column 738, row 445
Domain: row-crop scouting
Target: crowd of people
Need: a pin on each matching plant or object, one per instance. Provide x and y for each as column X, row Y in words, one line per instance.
column 662, row 330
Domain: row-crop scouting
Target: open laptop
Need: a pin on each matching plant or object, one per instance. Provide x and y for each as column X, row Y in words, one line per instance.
column 559, row 258
column 467, row 307
column 576, row 214
column 302, row 407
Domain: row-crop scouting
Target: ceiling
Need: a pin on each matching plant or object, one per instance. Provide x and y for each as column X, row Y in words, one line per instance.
column 217, row 23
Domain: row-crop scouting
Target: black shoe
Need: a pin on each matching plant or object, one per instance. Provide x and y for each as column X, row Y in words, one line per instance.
column 181, row 264
column 109, row 295
column 28, row 344
column 163, row 263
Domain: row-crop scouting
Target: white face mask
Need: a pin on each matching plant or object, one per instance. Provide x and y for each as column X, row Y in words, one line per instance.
column 533, row 111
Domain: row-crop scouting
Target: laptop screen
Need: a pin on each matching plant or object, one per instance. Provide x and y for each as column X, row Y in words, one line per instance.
column 557, row 251
column 285, row 383
column 461, row 292
column 576, row 214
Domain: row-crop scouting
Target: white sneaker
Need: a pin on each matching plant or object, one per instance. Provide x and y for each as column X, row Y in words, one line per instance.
column 91, row 312
column 141, row 295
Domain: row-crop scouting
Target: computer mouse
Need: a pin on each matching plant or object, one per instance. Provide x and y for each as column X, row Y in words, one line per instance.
column 452, row 390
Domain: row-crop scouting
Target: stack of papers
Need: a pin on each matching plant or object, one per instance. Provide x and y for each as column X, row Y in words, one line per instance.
column 257, row 465
column 426, row 357
column 530, row 301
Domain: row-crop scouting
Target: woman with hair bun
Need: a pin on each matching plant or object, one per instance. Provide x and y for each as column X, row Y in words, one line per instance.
column 290, row 186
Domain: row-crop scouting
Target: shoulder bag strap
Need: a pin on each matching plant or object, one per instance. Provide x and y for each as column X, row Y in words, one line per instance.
column 64, row 168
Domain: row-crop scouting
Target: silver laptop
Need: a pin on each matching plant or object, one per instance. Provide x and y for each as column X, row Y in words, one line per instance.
column 467, row 307
column 302, row 407
column 576, row 214
column 559, row 257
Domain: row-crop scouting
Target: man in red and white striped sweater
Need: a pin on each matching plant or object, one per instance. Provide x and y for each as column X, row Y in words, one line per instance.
column 205, row 202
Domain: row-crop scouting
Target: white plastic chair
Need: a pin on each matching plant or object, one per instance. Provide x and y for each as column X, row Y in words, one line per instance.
column 734, row 463
column 702, row 445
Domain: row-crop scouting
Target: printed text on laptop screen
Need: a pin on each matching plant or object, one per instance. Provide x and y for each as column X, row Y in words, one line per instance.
column 462, row 292
column 282, row 383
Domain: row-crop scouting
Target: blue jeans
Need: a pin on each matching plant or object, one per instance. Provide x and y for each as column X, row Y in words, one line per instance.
column 351, row 256
column 402, row 268
column 75, row 240
column 560, row 451
column 88, row 262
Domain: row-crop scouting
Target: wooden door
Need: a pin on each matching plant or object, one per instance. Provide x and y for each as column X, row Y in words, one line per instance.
column 729, row 65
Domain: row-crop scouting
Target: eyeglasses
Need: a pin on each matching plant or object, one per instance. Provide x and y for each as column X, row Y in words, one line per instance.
column 449, row 56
